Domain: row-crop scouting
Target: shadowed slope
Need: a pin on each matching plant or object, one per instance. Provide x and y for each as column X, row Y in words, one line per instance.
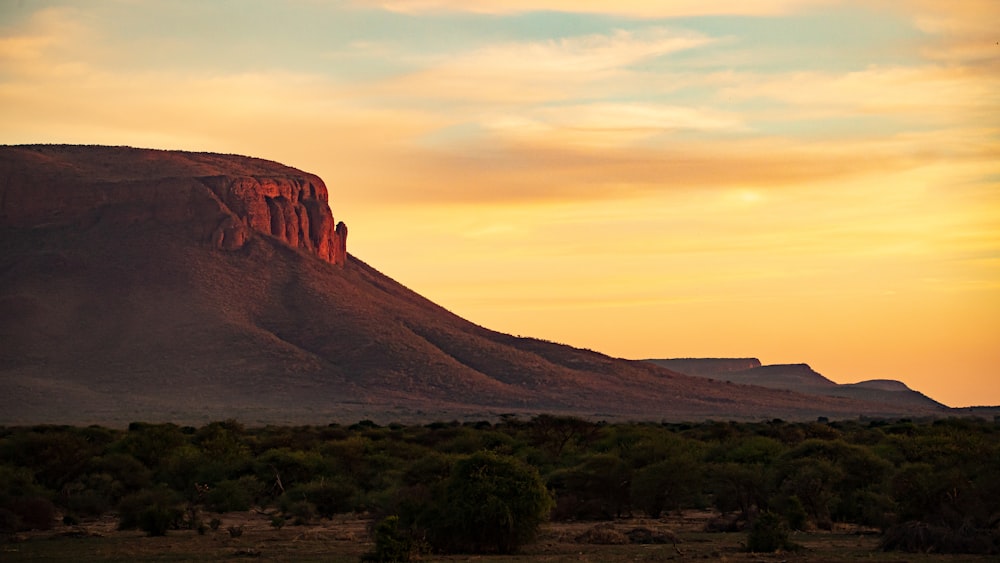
column 119, row 301
column 802, row 379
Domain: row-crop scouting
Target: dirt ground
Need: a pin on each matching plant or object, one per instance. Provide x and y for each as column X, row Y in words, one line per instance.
column 345, row 538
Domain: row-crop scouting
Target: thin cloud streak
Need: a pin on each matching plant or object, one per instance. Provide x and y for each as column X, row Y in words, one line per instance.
column 632, row 8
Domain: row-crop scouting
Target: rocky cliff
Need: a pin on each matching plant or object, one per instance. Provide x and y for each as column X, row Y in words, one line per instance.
column 222, row 200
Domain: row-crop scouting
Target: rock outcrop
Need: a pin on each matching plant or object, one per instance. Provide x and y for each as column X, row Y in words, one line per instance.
column 221, row 199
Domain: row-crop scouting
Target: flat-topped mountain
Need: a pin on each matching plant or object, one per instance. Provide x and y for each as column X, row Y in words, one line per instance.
column 800, row 378
column 164, row 285
column 218, row 199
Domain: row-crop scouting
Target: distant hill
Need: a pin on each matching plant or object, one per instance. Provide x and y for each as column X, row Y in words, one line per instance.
column 800, row 378
column 163, row 285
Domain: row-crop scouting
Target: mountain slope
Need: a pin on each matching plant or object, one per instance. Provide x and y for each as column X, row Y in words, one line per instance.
column 162, row 285
column 802, row 379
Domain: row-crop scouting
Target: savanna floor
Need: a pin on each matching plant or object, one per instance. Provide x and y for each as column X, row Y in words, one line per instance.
column 345, row 539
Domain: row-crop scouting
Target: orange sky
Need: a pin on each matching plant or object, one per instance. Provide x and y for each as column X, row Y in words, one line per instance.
column 796, row 180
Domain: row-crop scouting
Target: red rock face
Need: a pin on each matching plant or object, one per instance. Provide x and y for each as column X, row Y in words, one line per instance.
column 293, row 209
column 221, row 199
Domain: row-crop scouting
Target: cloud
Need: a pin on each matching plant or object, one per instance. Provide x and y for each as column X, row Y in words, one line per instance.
column 532, row 71
column 606, row 124
column 630, row 8
column 925, row 94
column 47, row 33
column 963, row 31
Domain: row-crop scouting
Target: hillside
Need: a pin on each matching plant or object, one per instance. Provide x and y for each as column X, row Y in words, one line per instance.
column 800, row 378
column 162, row 285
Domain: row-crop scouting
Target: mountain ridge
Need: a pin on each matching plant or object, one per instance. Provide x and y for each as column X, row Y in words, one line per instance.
column 118, row 302
column 800, row 378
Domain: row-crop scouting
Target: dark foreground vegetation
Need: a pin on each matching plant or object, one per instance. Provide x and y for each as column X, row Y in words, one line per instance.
column 923, row 486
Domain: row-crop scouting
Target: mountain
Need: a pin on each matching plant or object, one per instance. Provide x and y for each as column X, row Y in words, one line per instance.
column 802, row 379
column 164, row 285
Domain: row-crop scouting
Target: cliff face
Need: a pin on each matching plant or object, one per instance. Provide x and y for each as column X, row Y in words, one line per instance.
column 220, row 199
column 294, row 209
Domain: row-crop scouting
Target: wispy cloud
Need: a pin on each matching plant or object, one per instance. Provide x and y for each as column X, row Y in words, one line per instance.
column 633, row 8
column 534, row 71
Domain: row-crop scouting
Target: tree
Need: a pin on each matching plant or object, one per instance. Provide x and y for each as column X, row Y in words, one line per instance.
column 665, row 485
column 490, row 502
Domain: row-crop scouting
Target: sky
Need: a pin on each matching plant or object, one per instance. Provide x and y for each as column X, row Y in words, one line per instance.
column 794, row 180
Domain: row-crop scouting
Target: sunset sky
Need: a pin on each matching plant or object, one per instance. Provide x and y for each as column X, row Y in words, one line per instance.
column 794, row 180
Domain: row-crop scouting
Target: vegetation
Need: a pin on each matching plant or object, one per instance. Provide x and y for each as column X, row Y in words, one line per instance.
column 931, row 486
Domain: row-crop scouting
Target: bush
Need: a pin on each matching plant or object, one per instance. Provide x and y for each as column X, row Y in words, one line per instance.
column 301, row 511
column 392, row 545
column 229, row 496
column 491, row 502
column 920, row 537
column 327, row 497
column 34, row 513
column 9, row 522
column 153, row 511
column 665, row 485
column 795, row 513
column 768, row 534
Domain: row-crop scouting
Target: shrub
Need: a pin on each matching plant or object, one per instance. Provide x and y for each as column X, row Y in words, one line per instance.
column 920, row 537
column 327, row 497
column 153, row 511
column 301, row 511
column 603, row 534
column 665, row 485
column 795, row 513
column 392, row 545
column 9, row 521
column 490, row 502
column 34, row 513
column 156, row 520
column 598, row 488
column 768, row 534
column 228, row 496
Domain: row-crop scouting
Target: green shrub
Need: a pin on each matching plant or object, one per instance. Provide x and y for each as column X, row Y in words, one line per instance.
column 301, row 511
column 768, row 534
column 490, row 503
column 392, row 545
column 153, row 511
column 327, row 497
column 228, row 496
column 665, row 485
column 795, row 513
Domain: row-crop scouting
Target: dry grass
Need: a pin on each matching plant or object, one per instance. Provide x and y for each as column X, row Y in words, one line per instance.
column 344, row 539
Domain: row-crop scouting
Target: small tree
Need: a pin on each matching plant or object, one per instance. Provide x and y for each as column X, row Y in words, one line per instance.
column 491, row 502
column 392, row 545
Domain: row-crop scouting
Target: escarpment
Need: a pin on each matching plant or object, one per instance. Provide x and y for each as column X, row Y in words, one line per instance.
column 223, row 200
column 291, row 208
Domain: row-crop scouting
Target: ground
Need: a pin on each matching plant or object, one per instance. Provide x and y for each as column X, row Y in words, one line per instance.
column 345, row 539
